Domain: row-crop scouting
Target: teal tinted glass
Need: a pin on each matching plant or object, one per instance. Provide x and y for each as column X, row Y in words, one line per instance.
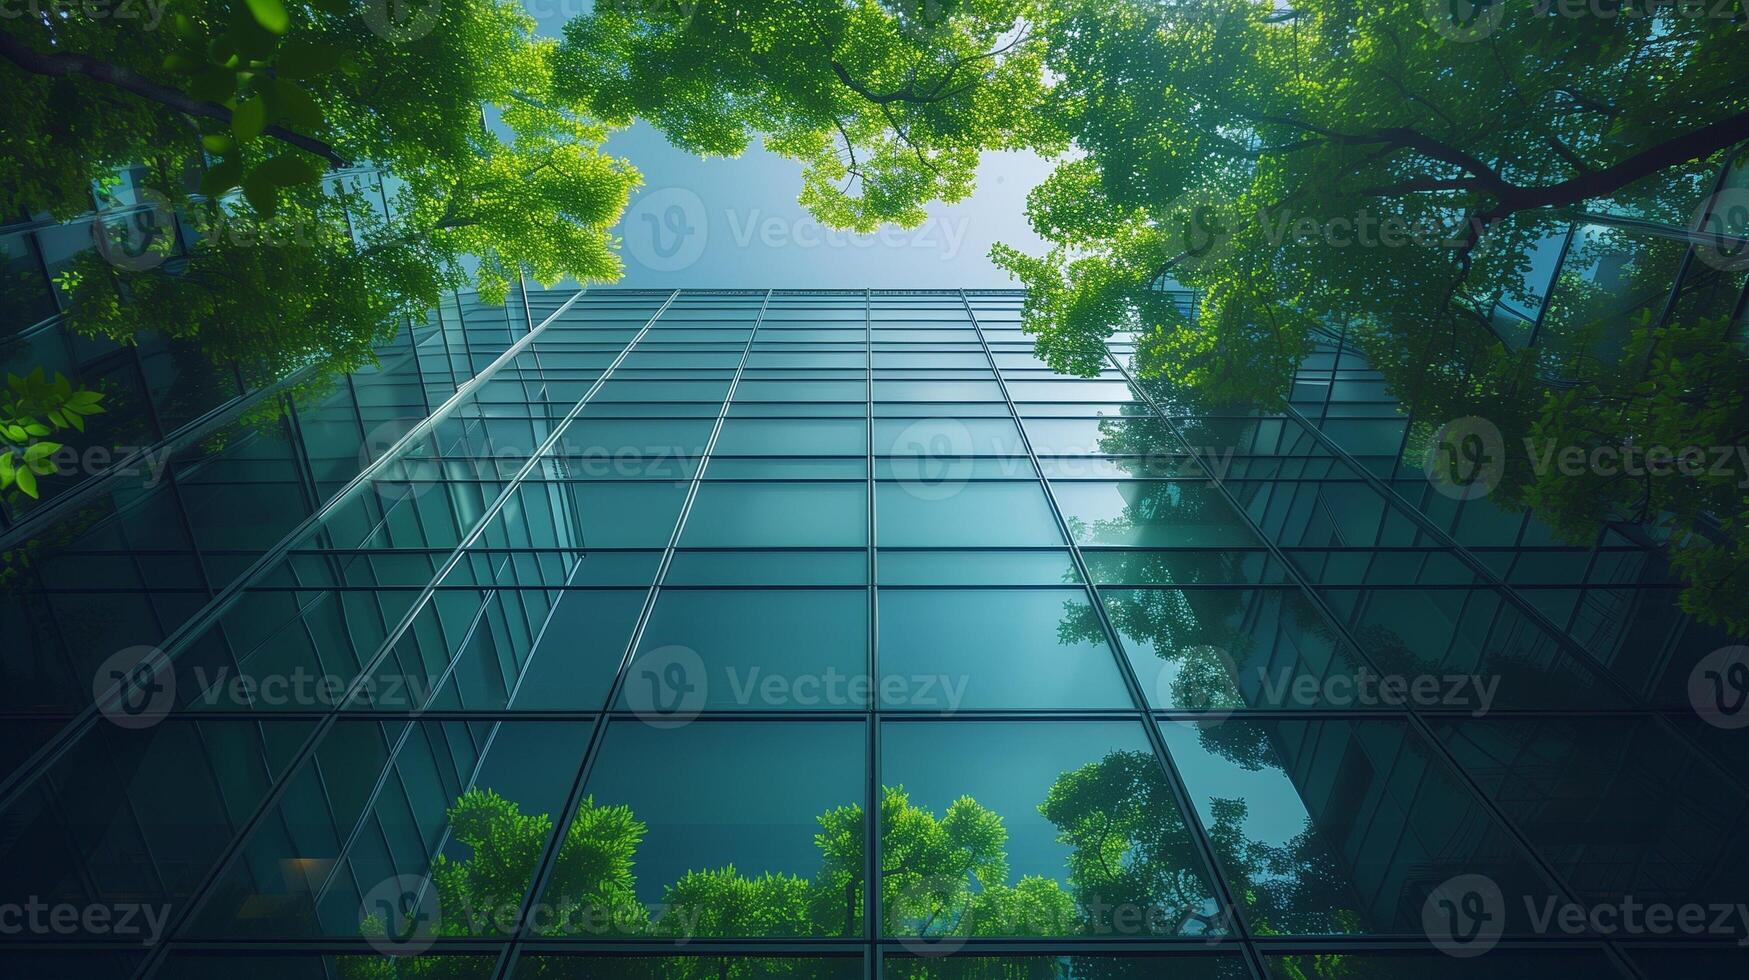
column 752, row 650
column 947, row 649
column 745, row 515
column 964, row 515
column 1151, row 513
column 1291, row 807
column 1090, row 842
column 1053, row 567
column 792, row 437
column 579, row 651
column 1212, row 649
column 699, row 813
column 768, row 568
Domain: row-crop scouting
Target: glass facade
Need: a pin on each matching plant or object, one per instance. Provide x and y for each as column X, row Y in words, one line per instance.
column 831, row 634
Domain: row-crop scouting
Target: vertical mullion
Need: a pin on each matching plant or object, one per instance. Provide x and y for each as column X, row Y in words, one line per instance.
column 872, row 920
column 545, row 868
column 1234, row 914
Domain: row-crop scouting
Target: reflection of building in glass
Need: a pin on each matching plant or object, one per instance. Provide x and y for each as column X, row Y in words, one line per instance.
column 634, row 646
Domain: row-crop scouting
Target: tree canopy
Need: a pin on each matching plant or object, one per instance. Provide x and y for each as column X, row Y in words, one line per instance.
column 944, row 875
column 294, row 270
column 1402, row 172
column 886, row 104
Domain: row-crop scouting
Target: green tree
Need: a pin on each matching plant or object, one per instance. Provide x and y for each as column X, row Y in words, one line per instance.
column 1258, row 124
column 886, row 103
column 299, row 271
column 943, row 876
column 1395, row 173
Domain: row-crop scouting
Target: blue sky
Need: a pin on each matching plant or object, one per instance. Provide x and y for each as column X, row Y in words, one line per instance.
column 735, row 222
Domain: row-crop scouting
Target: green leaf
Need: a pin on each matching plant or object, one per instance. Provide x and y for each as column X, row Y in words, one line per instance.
column 26, row 482
column 40, row 450
column 181, row 64
column 224, row 52
column 251, row 40
column 297, row 107
column 250, row 119
column 304, row 58
column 76, row 421
column 287, row 170
column 217, row 181
column 270, row 14
column 261, row 192
column 213, row 85
column 217, row 143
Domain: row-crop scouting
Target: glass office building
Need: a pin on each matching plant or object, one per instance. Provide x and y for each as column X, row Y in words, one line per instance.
column 830, row 634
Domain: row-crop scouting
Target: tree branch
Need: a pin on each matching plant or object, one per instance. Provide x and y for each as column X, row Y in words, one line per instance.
column 66, row 64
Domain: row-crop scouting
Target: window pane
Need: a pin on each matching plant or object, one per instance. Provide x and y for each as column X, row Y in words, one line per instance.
column 1197, row 649
column 1151, row 513
column 721, row 829
column 1035, row 829
column 792, row 437
column 744, row 649
column 969, row 515
column 573, row 665
column 786, row 515
column 941, row 650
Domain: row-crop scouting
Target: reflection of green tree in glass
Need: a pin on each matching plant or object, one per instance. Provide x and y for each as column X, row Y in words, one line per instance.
column 1132, row 870
column 1127, row 858
column 1291, row 888
column 1674, row 387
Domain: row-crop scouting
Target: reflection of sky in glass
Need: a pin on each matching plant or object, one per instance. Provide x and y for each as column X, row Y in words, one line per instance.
column 1275, row 812
column 715, row 794
column 1008, row 767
